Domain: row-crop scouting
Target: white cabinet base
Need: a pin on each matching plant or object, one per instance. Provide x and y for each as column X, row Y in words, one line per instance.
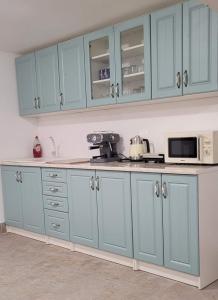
column 129, row 262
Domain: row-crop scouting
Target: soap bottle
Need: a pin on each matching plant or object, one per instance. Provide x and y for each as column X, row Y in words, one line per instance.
column 37, row 148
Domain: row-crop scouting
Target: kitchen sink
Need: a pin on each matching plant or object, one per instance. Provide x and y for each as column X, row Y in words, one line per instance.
column 68, row 161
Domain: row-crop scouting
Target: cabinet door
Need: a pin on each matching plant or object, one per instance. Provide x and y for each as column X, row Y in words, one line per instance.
column 100, row 67
column 132, row 52
column 12, row 197
column 82, row 207
column 72, row 74
column 48, row 79
column 114, row 212
column 147, row 217
column 26, row 84
column 200, row 33
column 180, row 219
column 166, row 45
column 32, row 202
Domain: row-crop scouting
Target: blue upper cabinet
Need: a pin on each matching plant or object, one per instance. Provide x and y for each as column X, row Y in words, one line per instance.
column 147, row 217
column 100, row 67
column 72, row 74
column 180, row 220
column 26, row 84
column 166, row 45
column 132, row 52
column 114, row 212
column 12, row 196
column 48, row 79
column 200, row 33
column 32, row 203
column 82, row 207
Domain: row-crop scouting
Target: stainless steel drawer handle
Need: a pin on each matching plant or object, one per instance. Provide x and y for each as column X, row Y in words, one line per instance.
column 54, row 204
column 92, row 183
column 55, row 225
column 53, row 175
column 164, row 190
column 53, row 190
column 157, row 189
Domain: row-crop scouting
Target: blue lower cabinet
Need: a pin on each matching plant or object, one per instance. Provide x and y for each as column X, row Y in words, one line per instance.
column 32, row 202
column 147, row 217
column 23, row 203
column 57, row 224
column 180, row 221
column 83, row 207
column 12, row 197
column 114, row 212
column 56, row 203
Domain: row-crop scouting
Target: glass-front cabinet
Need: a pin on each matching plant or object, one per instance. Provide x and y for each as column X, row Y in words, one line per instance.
column 100, row 67
column 132, row 52
column 118, row 63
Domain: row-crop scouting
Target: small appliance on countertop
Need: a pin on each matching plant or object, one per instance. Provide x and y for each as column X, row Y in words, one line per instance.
column 106, row 142
column 138, row 148
column 194, row 147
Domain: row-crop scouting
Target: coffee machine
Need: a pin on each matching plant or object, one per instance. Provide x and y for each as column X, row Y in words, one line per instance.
column 106, row 142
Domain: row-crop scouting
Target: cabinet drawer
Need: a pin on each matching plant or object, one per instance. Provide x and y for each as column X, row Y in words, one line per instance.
column 55, row 189
column 57, row 224
column 56, row 203
column 55, row 175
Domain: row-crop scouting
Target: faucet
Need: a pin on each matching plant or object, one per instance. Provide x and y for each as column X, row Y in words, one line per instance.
column 54, row 151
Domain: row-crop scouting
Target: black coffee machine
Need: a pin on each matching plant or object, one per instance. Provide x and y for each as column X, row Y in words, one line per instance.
column 106, row 142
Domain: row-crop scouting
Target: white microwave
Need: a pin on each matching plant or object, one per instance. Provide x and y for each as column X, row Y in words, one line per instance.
column 200, row 147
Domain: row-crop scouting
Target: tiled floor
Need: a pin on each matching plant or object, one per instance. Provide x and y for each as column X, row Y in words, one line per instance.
column 31, row 270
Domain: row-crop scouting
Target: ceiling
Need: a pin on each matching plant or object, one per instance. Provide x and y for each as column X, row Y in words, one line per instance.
column 26, row 25
column 31, row 24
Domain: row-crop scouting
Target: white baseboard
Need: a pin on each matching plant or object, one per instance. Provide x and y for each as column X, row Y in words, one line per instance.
column 129, row 262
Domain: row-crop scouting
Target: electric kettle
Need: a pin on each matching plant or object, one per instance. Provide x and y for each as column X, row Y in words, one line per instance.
column 138, row 147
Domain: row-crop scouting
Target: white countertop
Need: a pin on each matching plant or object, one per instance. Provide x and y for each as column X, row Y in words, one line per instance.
column 82, row 163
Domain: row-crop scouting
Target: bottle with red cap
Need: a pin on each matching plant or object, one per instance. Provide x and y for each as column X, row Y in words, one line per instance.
column 37, row 148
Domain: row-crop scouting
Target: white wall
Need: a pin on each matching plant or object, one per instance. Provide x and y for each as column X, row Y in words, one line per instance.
column 16, row 134
column 149, row 121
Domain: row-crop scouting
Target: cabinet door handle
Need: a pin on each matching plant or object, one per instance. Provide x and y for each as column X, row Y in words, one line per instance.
column 61, row 99
column 164, row 190
column 53, row 190
column 55, row 225
column 35, row 103
column 117, row 90
column 157, row 189
column 92, row 183
column 178, row 80
column 20, row 177
column 97, row 184
column 38, row 102
column 17, row 176
column 185, row 78
column 54, row 204
column 112, row 90
column 53, row 175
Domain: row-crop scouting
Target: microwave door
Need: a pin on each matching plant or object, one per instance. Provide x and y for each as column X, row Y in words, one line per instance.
column 184, row 149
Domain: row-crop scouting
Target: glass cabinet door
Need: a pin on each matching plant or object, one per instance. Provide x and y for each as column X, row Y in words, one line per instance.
column 100, row 71
column 133, row 72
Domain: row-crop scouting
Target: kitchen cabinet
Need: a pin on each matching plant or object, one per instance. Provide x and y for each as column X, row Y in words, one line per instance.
column 171, row 240
column 132, row 53
column 200, row 33
column 147, row 217
column 72, row 74
column 166, row 45
column 22, row 192
column 180, row 223
column 114, row 212
column 83, row 207
column 12, row 197
column 48, row 79
column 100, row 67
column 26, row 84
